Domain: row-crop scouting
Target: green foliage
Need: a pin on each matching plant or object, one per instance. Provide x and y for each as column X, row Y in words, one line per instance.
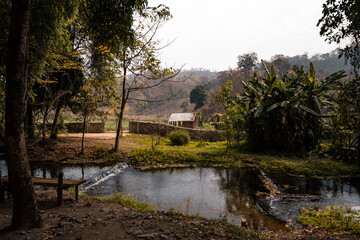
column 247, row 61
column 302, row 166
column 179, row 138
column 128, row 202
column 234, row 112
column 149, row 157
column 243, row 233
column 340, row 22
column 332, row 218
column 198, row 96
column 283, row 113
column 100, row 155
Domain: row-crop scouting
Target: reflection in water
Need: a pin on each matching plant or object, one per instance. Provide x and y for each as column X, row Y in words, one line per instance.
column 209, row 192
column 306, row 191
column 51, row 170
column 215, row 192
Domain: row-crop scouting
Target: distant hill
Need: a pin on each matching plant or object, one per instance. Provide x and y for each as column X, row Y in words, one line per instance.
column 179, row 89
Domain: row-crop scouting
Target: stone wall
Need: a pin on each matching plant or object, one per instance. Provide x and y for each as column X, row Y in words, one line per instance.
column 89, row 128
column 165, row 129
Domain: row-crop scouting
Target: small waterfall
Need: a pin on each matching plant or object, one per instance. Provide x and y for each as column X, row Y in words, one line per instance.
column 104, row 175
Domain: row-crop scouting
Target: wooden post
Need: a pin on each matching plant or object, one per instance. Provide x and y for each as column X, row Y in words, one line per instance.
column 76, row 192
column 2, row 190
column 244, row 223
column 60, row 189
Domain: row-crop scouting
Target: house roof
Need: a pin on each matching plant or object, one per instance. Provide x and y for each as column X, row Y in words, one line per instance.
column 182, row 117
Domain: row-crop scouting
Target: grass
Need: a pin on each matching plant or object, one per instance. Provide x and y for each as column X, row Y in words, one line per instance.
column 100, row 155
column 213, row 154
column 125, row 201
column 302, row 166
column 153, row 151
column 333, row 218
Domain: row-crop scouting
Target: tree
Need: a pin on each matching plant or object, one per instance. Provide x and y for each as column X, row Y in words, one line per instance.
column 281, row 63
column 25, row 211
column 340, row 21
column 198, row 96
column 141, row 69
column 247, row 61
column 284, row 113
column 103, row 23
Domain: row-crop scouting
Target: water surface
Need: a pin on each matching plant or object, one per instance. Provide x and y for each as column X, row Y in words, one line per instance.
column 213, row 192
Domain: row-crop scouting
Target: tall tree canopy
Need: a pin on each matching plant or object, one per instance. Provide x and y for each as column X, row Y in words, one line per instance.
column 247, row 61
column 40, row 50
column 340, row 21
column 198, row 96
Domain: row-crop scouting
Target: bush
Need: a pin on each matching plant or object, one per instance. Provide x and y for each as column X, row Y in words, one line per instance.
column 179, row 138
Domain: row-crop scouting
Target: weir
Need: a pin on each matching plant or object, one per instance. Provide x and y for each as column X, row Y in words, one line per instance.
column 103, row 175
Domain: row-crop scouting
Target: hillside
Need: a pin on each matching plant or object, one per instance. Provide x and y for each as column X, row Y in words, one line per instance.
column 176, row 93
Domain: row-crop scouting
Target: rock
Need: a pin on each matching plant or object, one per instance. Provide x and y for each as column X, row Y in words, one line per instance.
column 137, row 232
column 63, row 224
column 76, row 220
column 100, row 221
column 22, row 232
column 146, row 236
column 164, row 237
column 105, row 210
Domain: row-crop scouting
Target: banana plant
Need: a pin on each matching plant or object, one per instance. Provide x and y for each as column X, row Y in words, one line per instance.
column 284, row 112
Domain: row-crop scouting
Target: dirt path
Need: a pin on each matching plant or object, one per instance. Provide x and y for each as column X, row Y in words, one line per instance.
column 107, row 135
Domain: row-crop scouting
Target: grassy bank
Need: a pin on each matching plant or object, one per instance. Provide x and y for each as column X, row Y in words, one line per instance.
column 302, row 166
column 145, row 151
column 335, row 219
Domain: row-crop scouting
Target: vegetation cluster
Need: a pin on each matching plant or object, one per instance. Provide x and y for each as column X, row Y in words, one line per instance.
column 179, row 138
column 336, row 219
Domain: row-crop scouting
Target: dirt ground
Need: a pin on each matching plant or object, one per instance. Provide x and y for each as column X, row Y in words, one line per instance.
column 67, row 146
column 95, row 219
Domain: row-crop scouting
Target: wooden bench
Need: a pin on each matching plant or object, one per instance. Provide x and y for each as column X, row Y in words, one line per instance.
column 60, row 183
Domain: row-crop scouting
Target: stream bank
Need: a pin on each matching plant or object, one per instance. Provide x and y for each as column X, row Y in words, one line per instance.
column 61, row 152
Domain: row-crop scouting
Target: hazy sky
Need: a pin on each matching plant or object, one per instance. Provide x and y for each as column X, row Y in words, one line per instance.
column 212, row 33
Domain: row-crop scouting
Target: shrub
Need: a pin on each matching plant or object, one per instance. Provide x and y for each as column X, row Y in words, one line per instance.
column 333, row 218
column 179, row 138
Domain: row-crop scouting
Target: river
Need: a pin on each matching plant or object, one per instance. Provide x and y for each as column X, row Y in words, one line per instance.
column 219, row 193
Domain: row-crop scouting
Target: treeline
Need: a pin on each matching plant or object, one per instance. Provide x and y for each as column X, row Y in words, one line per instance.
column 188, row 80
column 85, row 57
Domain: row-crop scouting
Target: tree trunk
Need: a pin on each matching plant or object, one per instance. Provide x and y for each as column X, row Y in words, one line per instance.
column 124, row 98
column 29, row 121
column 44, row 122
column 25, row 211
column 84, row 129
column 53, row 134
